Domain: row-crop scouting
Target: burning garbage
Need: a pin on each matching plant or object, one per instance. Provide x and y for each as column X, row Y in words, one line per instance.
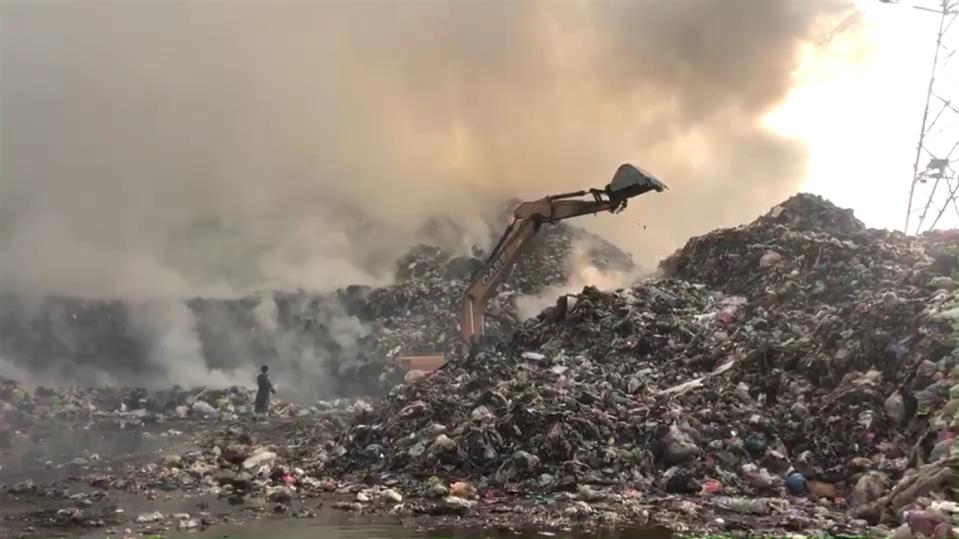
column 794, row 374
column 321, row 345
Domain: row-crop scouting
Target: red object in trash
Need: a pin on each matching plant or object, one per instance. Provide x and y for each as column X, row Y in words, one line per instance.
column 711, row 486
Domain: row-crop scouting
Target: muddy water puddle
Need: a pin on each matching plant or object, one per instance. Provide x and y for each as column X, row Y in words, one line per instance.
column 328, row 523
column 337, row 525
column 56, row 451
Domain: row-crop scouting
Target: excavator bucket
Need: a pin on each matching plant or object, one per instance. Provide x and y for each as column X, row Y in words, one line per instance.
column 630, row 181
column 420, row 362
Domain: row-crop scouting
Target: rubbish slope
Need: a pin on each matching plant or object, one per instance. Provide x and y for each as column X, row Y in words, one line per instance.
column 802, row 359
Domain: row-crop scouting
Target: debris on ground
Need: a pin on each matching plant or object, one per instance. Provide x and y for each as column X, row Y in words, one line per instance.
column 137, row 406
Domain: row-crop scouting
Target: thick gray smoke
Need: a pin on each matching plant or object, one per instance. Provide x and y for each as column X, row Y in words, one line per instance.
column 180, row 148
column 173, row 149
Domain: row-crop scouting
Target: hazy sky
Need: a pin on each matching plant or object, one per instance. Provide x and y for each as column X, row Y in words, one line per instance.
column 858, row 108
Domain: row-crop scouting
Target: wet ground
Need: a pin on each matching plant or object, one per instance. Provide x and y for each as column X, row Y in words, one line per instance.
column 58, row 450
column 55, row 456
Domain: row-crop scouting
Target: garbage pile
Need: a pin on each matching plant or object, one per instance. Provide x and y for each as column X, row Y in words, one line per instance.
column 799, row 367
column 136, row 405
column 248, row 464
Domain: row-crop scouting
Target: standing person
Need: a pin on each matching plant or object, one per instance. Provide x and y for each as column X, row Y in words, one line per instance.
column 264, row 389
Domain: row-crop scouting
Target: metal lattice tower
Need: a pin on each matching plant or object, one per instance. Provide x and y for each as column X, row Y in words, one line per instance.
column 935, row 181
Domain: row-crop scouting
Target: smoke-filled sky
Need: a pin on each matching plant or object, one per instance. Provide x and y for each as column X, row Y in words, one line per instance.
column 858, row 106
column 173, row 148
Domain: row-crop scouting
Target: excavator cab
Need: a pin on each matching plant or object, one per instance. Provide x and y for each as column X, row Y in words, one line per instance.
column 630, row 181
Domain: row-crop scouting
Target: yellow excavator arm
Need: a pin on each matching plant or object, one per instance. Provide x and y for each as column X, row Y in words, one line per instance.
column 528, row 217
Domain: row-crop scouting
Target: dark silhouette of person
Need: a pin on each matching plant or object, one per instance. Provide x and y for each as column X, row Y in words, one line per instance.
column 264, row 389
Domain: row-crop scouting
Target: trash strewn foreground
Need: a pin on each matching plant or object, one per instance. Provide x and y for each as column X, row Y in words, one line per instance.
column 793, row 375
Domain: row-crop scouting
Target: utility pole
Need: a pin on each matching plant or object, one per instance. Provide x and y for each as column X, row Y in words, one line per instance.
column 934, row 178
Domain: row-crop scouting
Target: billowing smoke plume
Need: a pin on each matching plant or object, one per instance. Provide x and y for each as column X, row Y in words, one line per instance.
column 152, row 151
column 209, row 148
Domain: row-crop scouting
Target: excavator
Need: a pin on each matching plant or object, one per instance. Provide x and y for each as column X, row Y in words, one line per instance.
column 528, row 217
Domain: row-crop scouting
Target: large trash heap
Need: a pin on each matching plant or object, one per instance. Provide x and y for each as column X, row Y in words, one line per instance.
column 420, row 312
column 794, row 374
column 799, row 357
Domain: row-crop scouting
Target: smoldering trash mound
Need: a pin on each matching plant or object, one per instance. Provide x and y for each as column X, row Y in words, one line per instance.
column 319, row 345
column 420, row 312
column 798, row 369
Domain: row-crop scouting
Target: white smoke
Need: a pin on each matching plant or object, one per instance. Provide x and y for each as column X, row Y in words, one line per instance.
column 582, row 273
column 171, row 328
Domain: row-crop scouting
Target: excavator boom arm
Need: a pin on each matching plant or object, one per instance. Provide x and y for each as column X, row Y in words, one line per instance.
column 528, row 217
column 628, row 182
column 491, row 275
